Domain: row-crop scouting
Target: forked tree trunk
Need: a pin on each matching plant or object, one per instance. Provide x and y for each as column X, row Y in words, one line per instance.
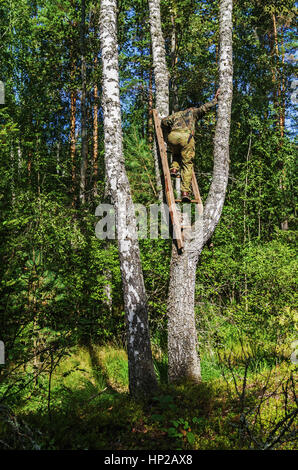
column 184, row 362
column 142, row 379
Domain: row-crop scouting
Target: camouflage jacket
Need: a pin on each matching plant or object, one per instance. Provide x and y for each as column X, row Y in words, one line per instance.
column 186, row 119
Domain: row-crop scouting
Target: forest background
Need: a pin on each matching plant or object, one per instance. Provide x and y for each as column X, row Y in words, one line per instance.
column 64, row 381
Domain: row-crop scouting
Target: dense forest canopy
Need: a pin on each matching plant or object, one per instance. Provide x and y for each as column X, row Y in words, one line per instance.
column 61, row 286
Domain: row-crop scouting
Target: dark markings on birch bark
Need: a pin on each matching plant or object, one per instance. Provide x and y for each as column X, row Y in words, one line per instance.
column 183, row 355
column 95, row 136
column 161, row 78
column 142, row 379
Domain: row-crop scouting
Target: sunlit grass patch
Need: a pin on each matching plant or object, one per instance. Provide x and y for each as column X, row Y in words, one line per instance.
column 76, row 371
column 89, row 406
column 114, row 363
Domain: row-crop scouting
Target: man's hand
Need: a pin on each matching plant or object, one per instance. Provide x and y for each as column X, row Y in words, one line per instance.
column 217, row 94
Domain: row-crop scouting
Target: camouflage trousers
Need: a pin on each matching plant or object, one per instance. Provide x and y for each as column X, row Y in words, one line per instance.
column 182, row 147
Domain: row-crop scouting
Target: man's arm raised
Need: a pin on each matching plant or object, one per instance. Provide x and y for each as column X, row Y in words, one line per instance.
column 199, row 112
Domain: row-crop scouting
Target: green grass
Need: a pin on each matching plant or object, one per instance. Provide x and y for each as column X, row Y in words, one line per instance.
column 90, row 407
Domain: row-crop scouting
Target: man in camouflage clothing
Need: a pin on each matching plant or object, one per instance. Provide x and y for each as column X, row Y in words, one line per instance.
column 180, row 129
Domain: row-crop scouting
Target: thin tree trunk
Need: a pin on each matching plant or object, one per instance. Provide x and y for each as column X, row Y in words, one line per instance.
column 282, row 116
column 58, row 157
column 29, row 165
column 140, row 34
column 95, row 136
column 183, row 356
column 161, row 77
column 245, row 217
column 174, row 87
column 280, row 103
column 150, row 111
column 245, row 189
column 277, row 81
column 142, row 379
column 20, row 158
column 107, row 288
column 84, row 148
column 12, row 172
column 73, row 99
column 73, row 106
column 282, row 90
column 174, row 58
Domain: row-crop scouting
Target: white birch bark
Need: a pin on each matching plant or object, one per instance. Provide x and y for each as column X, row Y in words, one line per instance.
column 161, row 74
column 142, row 379
column 184, row 362
column 161, row 77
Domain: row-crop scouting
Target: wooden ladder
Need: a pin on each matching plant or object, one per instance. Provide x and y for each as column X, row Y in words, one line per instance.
column 171, row 201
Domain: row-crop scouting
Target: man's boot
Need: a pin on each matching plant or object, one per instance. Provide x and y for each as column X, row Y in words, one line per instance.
column 174, row 172
column 185, row 196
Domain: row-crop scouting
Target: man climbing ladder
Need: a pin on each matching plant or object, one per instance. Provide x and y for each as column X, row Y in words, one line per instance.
column 180, row 129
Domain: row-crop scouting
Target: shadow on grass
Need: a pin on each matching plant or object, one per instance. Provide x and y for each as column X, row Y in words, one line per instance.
column 99, row 370
column 89, row 412
column 92, row 409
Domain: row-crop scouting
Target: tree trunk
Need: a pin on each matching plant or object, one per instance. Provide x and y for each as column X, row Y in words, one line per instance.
column 150, row 111
column 84, row 137
column 282, row 89
column 182, row 337
column 174, row 58
column 95, row 136
column 174, row 87
column 278, row 80
column 161, row 74
column 142, row 379
column 282, row 118
column 161, row 77
column 73, row 101
column 184, row 361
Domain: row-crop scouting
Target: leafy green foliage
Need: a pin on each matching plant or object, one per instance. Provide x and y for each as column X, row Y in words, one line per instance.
column 61, row 286
column 89, row 408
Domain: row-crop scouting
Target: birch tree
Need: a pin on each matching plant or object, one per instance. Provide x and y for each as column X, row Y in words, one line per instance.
column 142, row 379
column 161, row 76
column 184, row 361
column 182, row 335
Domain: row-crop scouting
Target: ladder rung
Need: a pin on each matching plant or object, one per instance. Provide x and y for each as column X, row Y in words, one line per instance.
column 193, row 200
